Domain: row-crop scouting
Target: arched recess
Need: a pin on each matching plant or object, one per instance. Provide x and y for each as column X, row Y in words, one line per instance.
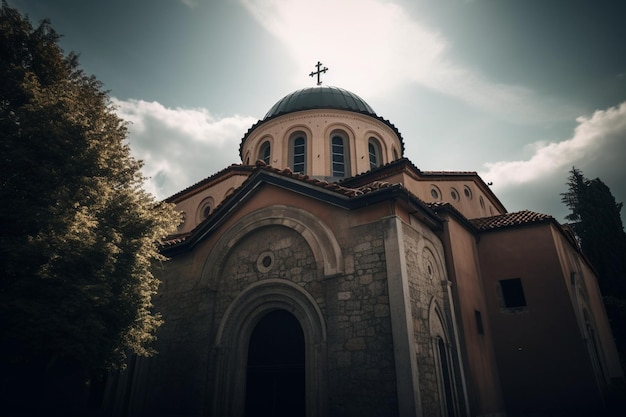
column 318, row 236
column 265, row 149
column 340, row 143
column 297, row 144
column 233, row 336
column 441, row 343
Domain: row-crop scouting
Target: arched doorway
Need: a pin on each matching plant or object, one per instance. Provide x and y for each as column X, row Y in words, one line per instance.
column 275, row 377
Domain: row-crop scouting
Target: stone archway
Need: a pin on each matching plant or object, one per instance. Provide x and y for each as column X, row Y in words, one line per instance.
column 319, row 237
column 237, row 328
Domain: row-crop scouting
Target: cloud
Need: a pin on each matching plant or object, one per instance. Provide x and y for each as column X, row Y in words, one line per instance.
column 376, row 47
column 591, row 137
column 180, row 146
column 597, row 147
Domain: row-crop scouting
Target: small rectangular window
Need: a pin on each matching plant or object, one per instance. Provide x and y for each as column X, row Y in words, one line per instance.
column 479, row 322
column 512, row 293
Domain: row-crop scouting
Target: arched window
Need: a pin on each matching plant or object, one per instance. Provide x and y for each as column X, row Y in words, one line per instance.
column 373, row 148
column 338, row 155
column 298, row 153
column 265, row 152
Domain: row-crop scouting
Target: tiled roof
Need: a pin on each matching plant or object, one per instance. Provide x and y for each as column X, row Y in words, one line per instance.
column 332, row 186
column 509, row 220
column 176, row 239
column 230, row 170
column 449, row 173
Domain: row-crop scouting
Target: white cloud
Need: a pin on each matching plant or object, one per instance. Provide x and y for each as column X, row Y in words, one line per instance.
column 597, row 148
column 180, row 146
column 375, row 46
column 594, row 137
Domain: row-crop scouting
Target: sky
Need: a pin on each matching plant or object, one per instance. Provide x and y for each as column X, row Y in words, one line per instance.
column 519, row 91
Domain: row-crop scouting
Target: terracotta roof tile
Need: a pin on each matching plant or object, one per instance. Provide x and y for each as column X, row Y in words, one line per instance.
column 172, row 240
column 176, row 239
column 509, row 220
column 232, row 169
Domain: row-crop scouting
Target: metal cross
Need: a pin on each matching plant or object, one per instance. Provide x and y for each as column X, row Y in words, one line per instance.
column 318, row 72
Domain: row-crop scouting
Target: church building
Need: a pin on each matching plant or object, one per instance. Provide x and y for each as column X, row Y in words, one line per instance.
column 327, row 275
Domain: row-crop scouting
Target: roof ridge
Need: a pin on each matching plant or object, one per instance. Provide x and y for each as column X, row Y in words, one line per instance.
column 517, row 218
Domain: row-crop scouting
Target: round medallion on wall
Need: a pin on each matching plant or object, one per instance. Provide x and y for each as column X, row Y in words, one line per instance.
column 265, row 262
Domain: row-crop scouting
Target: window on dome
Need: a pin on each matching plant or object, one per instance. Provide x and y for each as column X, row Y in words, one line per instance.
column 265, row 152
column 298, row 153
column 373, row 148
column 339, row 148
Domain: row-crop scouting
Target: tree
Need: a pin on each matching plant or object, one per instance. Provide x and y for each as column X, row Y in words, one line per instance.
column 596, row 221
column 79, row 234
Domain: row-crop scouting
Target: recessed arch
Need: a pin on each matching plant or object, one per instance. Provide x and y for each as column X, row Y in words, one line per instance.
column 298, row 152
column 437, row 322
column 265, row 149
column 235, row 330
column 336, row 148
column 440, row 344
column 319, row 237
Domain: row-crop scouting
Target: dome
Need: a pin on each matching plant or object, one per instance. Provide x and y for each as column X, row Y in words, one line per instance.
column 319, row 98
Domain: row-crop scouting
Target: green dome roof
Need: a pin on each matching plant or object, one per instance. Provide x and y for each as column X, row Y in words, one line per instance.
column 319, row 98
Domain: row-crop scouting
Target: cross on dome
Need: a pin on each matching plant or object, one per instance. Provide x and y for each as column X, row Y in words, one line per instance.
column 318, row 72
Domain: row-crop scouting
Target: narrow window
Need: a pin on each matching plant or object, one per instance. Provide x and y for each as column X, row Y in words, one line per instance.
column 513, row 293
column 373, row 148
column 448, row 402
column 479, row 322
column 298, row 154
column 339, row 148
column 265, row 152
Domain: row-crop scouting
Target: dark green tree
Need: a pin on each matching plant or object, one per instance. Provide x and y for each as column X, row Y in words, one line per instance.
column 595, row 219
column 79, row 234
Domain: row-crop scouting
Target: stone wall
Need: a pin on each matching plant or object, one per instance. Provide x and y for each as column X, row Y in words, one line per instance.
column 360, row 349
column 359, row 369
column 426, row 272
